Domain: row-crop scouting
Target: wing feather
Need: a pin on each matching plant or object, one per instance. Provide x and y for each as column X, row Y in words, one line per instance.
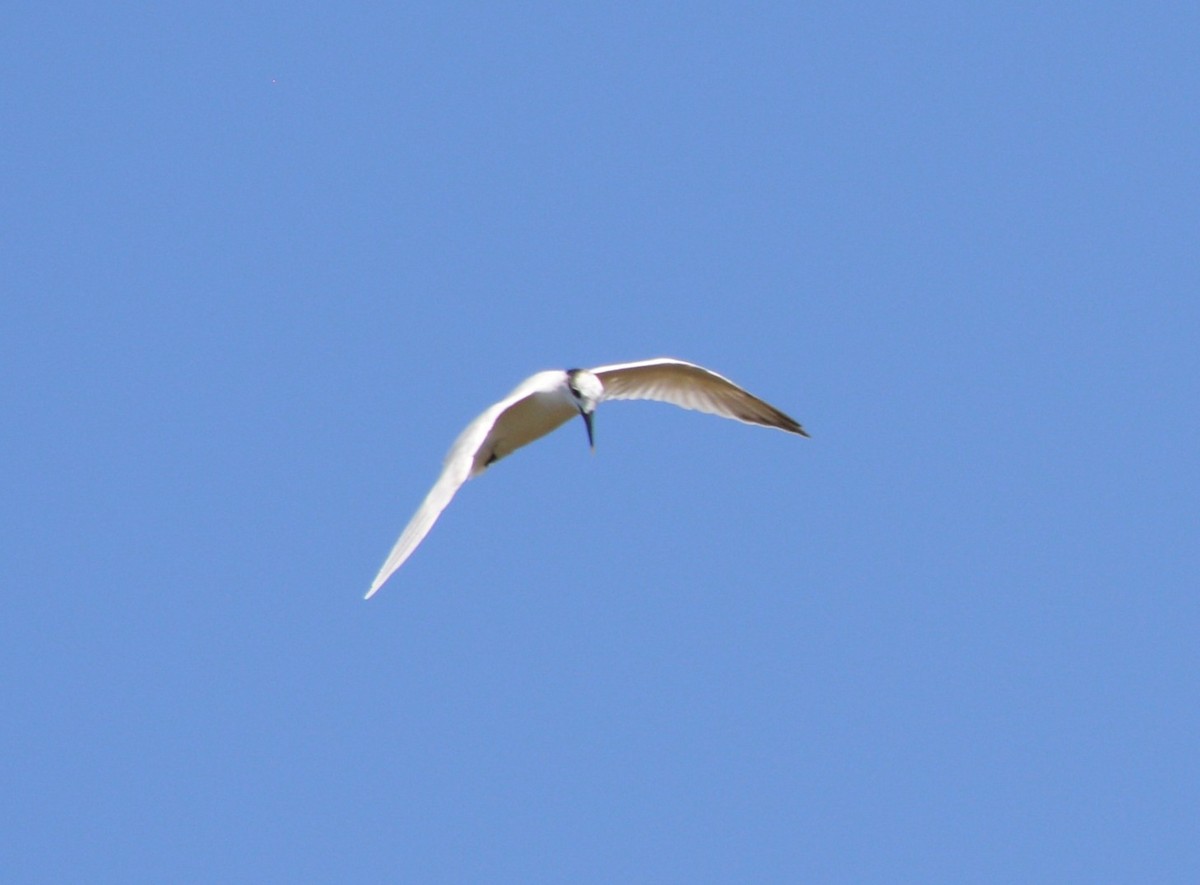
column 520, row 418
column 690, row 386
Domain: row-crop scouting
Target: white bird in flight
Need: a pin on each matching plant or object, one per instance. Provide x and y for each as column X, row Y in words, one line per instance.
column 548, row 400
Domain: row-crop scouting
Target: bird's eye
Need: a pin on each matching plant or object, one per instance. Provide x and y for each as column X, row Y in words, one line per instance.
column 574, row 392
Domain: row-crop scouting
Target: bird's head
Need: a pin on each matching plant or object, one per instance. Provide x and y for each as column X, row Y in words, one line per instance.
column 586, row 392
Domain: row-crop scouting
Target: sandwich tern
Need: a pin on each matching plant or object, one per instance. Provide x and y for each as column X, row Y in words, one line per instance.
column 549, row 399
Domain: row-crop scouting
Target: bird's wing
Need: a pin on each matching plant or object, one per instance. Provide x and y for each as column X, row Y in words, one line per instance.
column 690, row 387
column 519, row 418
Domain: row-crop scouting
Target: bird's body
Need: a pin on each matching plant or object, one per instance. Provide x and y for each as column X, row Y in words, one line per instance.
column 547, row 400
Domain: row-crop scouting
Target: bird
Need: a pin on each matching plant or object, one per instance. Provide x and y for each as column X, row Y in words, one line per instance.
column 547, row 400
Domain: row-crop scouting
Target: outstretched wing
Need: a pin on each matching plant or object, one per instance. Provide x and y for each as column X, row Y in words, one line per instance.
column 691, row 387
column 519, row 418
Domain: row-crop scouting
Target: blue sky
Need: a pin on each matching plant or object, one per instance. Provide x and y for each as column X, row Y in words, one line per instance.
column 262, row 263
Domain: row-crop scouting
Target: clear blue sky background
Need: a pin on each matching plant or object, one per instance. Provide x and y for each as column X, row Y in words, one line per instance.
column 261, row 263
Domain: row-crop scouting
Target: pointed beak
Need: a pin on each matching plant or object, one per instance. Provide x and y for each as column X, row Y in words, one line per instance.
column 587, row 419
